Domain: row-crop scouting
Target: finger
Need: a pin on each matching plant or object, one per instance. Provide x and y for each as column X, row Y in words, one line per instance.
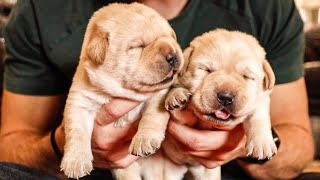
column 200, row 140
column 210, row 164
column 106, row 151
column 203, row 140
column 106, row 136
column 125, row 162
column 217, row 158
column 115, row 158
column 173, row 150
column 119, row 153
column 114, row 109
column 220, row 155
column 188, row 116
column 121, row 163
column 201, row 154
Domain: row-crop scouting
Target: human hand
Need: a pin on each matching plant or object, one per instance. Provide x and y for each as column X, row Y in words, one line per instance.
column 211, row 148
column 110, row 144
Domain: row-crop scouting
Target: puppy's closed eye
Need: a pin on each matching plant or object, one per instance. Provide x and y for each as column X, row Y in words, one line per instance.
column 248, row 73
column 249, row 77
column 204, row 68
column 135, row 45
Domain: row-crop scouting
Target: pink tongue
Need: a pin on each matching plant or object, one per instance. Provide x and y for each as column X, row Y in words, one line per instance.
column 170, row 74
column 222, row 114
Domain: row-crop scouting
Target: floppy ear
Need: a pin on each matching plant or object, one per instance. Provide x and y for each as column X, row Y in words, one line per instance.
column 174, row 35
column 269, row 77
column 186, row 54
column 97, row 46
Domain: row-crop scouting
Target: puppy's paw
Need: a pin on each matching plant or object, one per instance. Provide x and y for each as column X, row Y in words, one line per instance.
column 177, row 98
column 145, row 144
column 76, row 165
column 261, row 147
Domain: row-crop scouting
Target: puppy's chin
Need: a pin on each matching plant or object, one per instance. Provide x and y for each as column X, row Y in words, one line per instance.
column 220, row 119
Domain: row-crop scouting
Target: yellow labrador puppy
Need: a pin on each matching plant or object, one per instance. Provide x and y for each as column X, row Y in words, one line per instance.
column 230, row 81
column 129, row 51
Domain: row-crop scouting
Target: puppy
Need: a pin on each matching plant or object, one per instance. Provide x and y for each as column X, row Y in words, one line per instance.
column 230, row 81
column 129, row 51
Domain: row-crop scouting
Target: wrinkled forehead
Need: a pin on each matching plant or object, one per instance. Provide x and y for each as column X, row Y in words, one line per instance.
column 132, row 25
column 148, row 28
column 249, row 66
column 219, row 56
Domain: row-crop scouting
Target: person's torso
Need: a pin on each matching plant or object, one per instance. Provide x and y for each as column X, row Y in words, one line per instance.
column 62, row 32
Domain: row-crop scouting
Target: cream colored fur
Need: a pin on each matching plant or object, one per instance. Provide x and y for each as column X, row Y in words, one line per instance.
column 225, row 61
column 124, row 54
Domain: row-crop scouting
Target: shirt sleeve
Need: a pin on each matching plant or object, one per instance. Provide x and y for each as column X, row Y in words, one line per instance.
column 281, row 34
column 26, row 67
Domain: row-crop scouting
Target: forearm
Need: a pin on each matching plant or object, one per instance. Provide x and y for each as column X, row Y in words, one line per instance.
column 31, row 149
column 290, row 160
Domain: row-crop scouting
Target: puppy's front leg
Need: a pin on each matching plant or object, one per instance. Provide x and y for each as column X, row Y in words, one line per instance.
column 152, row 127
column 133, row 172
column 202, row 173
column 79, row 120
column 260, row 142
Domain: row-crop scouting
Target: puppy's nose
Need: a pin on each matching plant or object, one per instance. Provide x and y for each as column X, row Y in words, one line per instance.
column 225, row 98
column 172, row 59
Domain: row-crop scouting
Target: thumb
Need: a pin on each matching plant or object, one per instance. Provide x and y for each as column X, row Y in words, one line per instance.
column 114, row 109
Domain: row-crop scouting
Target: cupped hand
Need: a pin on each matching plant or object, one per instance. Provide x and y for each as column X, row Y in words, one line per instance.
column 211, row 148
column 110, row 144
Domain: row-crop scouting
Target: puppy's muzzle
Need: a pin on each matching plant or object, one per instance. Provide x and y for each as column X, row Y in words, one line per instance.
column 225, row 98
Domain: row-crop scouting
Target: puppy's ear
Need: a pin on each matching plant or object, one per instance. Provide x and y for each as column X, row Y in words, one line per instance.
column 269, row 77
column 186, row 54
column 97, row 47
column 174, row 36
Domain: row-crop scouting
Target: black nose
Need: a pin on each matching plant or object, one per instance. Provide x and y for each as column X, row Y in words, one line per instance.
column 225, row 98
column 172, row 59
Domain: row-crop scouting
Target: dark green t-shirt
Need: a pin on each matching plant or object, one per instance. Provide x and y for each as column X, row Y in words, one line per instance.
column 44, row 38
